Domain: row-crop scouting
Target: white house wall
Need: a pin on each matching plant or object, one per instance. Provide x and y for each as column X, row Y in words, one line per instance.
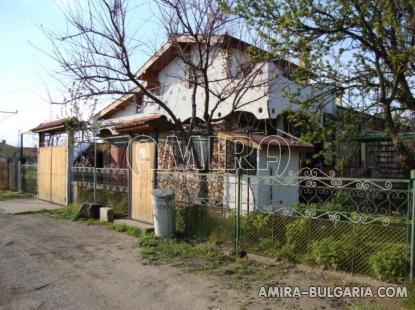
column 266, row 101
column 258, row 192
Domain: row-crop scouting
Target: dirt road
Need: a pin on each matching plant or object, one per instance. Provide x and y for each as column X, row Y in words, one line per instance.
column 56, row 264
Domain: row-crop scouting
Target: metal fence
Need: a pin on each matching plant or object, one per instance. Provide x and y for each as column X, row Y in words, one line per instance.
column 29, row 178
column 310, row 217
column 107, row 186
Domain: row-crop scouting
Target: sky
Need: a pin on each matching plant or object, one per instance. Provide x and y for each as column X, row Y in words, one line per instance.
column 26, row 72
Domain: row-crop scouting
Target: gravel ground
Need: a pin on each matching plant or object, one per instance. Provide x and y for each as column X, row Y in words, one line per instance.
column 56, row 264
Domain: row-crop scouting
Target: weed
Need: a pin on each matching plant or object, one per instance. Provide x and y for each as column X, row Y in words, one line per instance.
column 6, row 194
column 366, row 306
column 409, row 301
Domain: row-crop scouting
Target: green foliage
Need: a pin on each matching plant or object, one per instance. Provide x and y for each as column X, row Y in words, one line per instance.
column 180, row 218
column 330, row 253
column 297, row 237
column 117, row 201
column 200, row 256
column 147, row 240
column 390, row 263
column 69, row 212
column 409, row 301
column 367, row 306
column 6, row 194
column 346, row 48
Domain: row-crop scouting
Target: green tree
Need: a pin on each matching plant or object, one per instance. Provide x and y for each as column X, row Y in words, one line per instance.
column 361, row 49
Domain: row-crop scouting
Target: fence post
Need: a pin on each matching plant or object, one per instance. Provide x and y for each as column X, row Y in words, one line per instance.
column 19, row 176
column 412, row 205
column 238, row 211
column 69, row 166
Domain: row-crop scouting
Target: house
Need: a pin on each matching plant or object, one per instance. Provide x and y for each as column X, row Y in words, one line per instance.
column 251, row 136
column 8, row 151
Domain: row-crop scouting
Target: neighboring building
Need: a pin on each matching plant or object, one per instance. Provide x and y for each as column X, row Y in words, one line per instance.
column 11, row 152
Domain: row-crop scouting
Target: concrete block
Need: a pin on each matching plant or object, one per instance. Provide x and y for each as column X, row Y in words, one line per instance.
column 90, row 210
column 106, row 215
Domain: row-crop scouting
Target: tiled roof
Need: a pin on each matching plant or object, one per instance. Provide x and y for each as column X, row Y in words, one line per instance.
column 258, row 141
column 54, row 126
column 144, row 124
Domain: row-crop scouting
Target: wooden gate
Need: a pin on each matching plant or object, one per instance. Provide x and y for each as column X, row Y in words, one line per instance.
column 52, row 174
column 142, row 159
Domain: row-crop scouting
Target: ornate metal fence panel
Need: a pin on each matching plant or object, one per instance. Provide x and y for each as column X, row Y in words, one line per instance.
column 110, row 185
column 308, row 216
column 109, row 179
column 320, row 219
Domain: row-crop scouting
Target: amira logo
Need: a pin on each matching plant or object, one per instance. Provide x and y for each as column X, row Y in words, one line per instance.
column 210, row 153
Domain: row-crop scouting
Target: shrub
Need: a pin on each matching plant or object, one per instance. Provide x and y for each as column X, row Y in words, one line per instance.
column 180, row 218
column 329, row 253
column 296, row 235
column 389, row 264
column 256, row 226
column 116, row 200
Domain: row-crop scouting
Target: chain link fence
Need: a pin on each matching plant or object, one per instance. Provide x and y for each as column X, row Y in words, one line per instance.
column 356, row 225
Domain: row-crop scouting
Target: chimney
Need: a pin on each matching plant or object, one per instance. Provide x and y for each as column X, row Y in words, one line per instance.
column 3, row 142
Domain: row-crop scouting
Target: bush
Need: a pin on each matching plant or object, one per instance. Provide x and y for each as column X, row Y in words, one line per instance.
column 389, row 264
column 117, row 201
column 296, row 235
column 329, row 253
column 180, row 218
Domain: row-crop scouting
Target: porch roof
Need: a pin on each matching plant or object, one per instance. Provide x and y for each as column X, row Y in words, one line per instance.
column 58, row 125
column 145, row 124
column 259, row 140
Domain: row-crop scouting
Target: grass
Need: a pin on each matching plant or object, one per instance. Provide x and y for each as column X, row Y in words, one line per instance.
column 71, row 212
column 203, row 257
column 409, row 302
column 367, row 306
column 6, row 194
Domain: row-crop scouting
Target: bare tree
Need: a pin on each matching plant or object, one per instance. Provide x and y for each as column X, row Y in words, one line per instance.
column 97, row 50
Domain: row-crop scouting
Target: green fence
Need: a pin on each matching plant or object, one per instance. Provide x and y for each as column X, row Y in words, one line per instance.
column 356, row 225
column 29, row 178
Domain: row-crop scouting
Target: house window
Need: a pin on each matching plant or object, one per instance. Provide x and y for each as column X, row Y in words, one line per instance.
column 241, row 156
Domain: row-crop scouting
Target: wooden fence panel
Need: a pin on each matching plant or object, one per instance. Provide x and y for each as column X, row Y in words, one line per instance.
column 4, row 174
column 59, row 174
column 52, row 174
column 141, row 181
column 44, row 173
